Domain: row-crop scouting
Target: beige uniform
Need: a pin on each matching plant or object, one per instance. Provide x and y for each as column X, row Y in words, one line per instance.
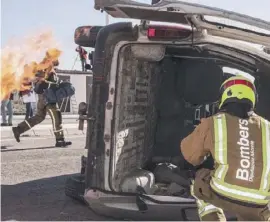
column 42, row 110
column 240, row 181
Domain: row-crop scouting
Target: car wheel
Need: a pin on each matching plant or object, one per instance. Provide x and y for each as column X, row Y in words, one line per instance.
column 75, row 186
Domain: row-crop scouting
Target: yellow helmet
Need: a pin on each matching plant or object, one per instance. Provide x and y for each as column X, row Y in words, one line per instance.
column 238, row 89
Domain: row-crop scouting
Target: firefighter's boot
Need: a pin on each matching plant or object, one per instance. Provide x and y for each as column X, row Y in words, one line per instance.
column 62, row 143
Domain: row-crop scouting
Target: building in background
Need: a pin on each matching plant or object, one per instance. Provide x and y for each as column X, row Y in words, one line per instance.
column 82, row 82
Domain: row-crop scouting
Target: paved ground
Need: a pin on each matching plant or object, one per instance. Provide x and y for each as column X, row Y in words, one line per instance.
column 66, row 118
column 70, row 126
column 33, row 175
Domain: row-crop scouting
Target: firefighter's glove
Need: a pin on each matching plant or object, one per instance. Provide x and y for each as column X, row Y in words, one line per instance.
column 40, row 74
column 208, row 163
column 180, row 162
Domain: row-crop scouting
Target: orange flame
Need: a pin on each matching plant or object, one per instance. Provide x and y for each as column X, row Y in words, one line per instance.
column 20, row 62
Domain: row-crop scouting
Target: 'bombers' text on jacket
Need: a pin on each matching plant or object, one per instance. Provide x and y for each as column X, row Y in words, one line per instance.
column 241, row 150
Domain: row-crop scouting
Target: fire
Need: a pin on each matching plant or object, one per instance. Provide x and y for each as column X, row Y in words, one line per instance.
column 20, row 62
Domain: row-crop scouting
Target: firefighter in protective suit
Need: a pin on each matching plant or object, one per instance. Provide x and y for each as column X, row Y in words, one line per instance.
column 46, row 79
column 239, row 142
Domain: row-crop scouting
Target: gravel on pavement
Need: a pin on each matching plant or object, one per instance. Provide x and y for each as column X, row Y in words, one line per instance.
column 33, row 174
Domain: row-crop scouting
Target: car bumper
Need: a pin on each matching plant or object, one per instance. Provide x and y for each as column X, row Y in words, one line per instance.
column 129, row 207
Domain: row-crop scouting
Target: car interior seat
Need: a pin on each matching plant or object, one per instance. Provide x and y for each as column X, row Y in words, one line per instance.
column 202, row 82
column 169, row 110
column 193, row 85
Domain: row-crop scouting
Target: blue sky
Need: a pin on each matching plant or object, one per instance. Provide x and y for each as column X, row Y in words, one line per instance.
column 21, row 17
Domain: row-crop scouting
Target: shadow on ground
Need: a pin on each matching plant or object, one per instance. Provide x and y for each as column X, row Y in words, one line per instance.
column 42, row 200
column 25, row 149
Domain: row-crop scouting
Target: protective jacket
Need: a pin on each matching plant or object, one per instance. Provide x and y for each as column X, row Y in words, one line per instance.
column 57, row 94
column 241, row 151
column 53, row 90
column 45, row 82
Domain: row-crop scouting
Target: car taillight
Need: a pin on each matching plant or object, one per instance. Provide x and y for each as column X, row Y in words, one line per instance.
column 167, row 33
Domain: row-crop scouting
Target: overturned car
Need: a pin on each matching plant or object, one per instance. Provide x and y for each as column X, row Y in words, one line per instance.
column 152, row 83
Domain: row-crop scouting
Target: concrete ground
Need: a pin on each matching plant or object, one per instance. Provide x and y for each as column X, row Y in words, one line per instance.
column 70, row 125
column 33, row 174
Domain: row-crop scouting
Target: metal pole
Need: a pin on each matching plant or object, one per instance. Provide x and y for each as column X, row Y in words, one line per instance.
column 107, row 19
column 75, row 61
column 67, row 100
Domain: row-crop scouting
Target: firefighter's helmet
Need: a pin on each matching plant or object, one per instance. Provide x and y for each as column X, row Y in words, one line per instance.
column 56, row 63
column 238, row 89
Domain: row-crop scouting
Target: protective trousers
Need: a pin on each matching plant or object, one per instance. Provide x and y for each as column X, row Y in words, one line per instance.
column 42, row 110
column 83, row 61
column 207, row 211
column 211, row 204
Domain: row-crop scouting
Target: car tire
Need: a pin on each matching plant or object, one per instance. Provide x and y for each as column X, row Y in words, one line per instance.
column 74, row 187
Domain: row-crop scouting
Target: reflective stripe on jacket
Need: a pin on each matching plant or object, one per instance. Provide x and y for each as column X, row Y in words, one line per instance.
column 241, row 150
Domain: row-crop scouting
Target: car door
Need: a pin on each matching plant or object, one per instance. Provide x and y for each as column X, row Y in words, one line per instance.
column 217, row 22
